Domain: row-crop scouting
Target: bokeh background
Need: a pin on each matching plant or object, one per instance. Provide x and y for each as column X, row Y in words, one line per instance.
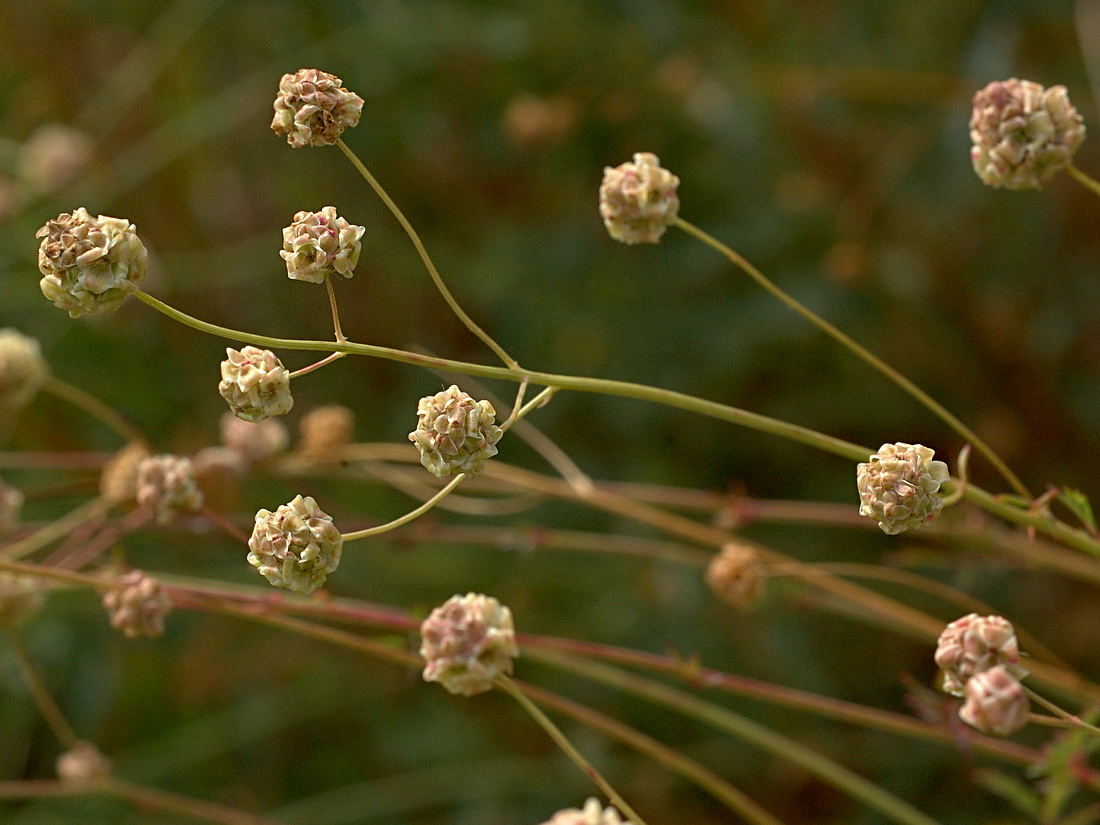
column 824, row 140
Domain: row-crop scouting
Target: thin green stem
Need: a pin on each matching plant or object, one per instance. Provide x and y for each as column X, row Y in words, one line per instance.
column 509, row 687
column 1071, row 718
column 415, row 238
column 56, row 529
column 46, row 705
column 337, row 331
column 1087, row 181
column 94, row 407
column 410, row 516
column 874, row 361
column 336, row 356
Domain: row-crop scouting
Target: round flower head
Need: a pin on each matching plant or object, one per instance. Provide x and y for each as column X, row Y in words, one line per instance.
column 23, row 370
column 254, row 442
column 455, row 434
column 20, row 597
column 166, row 484
column 325, row 431
column 975, row 644
column 737, row 575
column 82, row 763
column 638, row 200
column 320, row 244
column 593, row 814
column 138, row 607
column 900, row 487
column 255, row 384
column 295, row 547
column 118, row 482
column 53, row 156
column 996, row 702
column 313, row 108
column 467, row 642
column 1023, row 134
column 88, row 264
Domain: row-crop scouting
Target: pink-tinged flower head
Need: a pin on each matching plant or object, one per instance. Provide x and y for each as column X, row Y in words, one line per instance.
column 467, row 642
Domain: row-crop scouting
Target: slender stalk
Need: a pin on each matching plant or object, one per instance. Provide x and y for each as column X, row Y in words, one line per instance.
column 415, row 238
column 509, row 687
column 56, row 529
column 1071, row 718
column 46, row 705
column 410, row 516
column 336, row 356
column 94, row 407
column 1087, row 181
column 337, row 331
column 877, row 363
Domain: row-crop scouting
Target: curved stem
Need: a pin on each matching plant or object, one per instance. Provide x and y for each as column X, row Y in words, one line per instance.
column 410, row 516
column 46, row 705
column 873, row 360
column 94, row 407
column 415, row 238
column 1087, row 181
column 337, row 331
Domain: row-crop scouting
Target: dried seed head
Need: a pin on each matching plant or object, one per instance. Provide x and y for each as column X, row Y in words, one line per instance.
column 455, row 434
column 638, row 200
column 53, row 156
column 255, row 384
column 295, row 547
column 313, row 108
column 82, row 763
column 996, row 702
column 23, row 370
column 119, row 480
column 166, row 484
column 138, row 606
column 593, row 814
column 467, row 642
column 20, row 597
column 320, row 244
column 88, row 264
column 737, row 575
column 11, row 502
column 975, row 644
column 900, row 487
column 325, row 431
column 1023, row 134
column 254, row 441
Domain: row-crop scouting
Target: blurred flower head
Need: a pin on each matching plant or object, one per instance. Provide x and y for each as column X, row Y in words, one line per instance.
column 996, row 702
column 166, row 484
column 975, row 644
column 23, row 370
column 467, row 642
column 638, row 200
column 138, row 606
column 53, row 156
column 593, row 813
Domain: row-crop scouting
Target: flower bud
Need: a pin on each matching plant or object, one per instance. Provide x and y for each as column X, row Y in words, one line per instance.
column 996, row 702
column 593, row 814
column 138, row 606
column 900, row 487
column 325, row 431
column 313, row 108
column 295, row 547
column 166, row 484
column 11, row 502
column 1023, row 134
column 82, row 763
column 320, row 244
column 455, row 434
column 89, row 264
column 467, row 642
column 53, row 156
column 638, row 200
column 254, row 441
column 118, row 482
column 975, row 644
column 255, row 384
column 23, row 370
column 737, row 575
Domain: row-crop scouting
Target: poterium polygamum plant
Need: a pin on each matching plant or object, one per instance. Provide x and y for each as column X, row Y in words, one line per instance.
column 454, row 433
column 900, row 486
column 313, row 108
column 255, row 384
column 467, row 642
column 319, row 245
column 295, row 547
column 638, row 200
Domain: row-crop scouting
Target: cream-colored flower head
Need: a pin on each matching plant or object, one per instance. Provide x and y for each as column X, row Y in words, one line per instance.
column 88, row 264
column 737, row 575
column 900, row 487
column 138, row 606
column 593, row 813
column 996, row 702
column 325, row 431
column 81, row 764
column 321, row 244
column 118, row 482
column 974, row 644
column 23, row 370
column 166, row 484
column 467, row 642
column 295, row 547
column 454, row 433
column 313, row 108
column 254, row 441
column 638, row 200
column 1023, row 134
column 255, row 384
column 53, row 156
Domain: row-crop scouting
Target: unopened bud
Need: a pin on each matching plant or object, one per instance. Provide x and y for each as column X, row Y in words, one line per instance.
column 900, row 487
column 638, row 200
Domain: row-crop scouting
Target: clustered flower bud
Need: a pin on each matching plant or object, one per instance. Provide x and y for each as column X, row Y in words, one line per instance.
column 996, row 702
column 737, row 575
column 320, row 244
column 89, row 264
column 638, row 200
column 166, row 484
column 593, row 814
column 119, row 481
column 138, row 607
column 53, row 156
column 254, row 441
column 974, row 644
column 325, row 431
column 467, row 642
column 82, row 763
column 255, row 384
column 1023, row 134
column 313, row 108
column 23, row 370
column 295, row 547
column 900, row 487
column 11, row 502
column 455, row 434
